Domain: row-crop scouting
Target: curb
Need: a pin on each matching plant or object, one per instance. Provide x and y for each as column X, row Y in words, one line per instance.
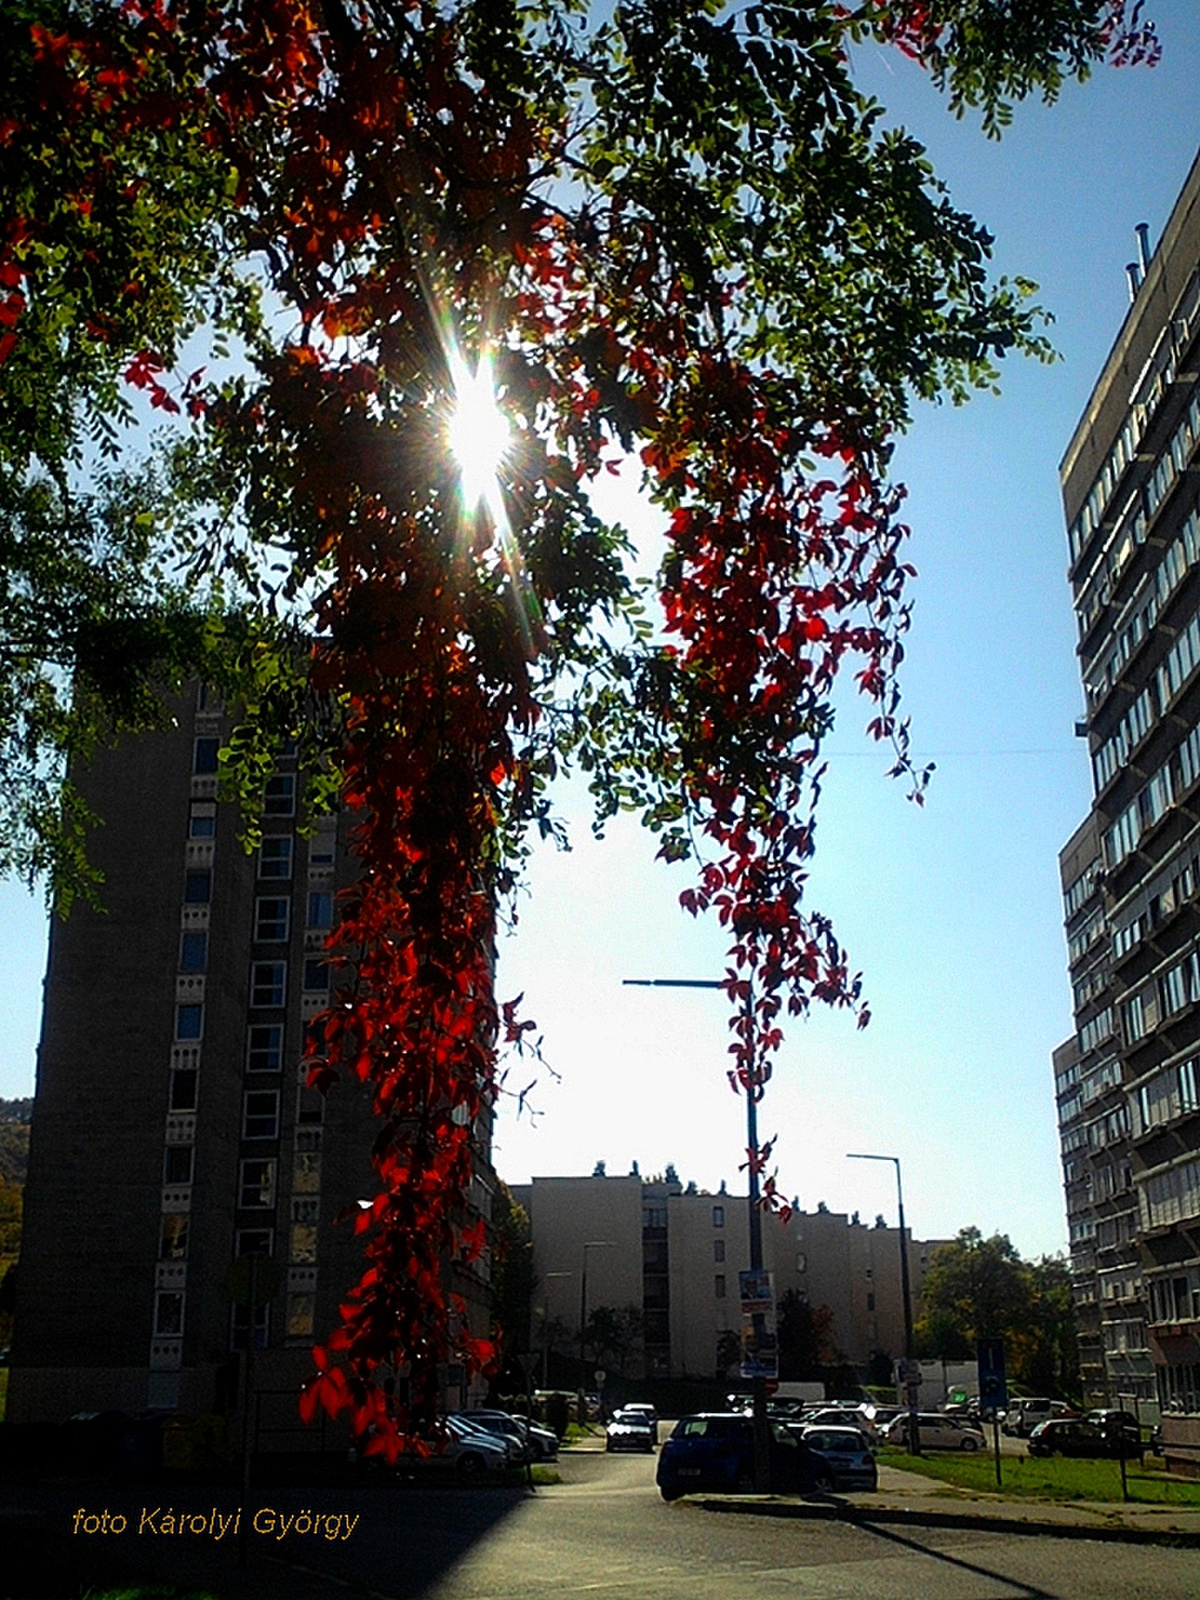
column 842, row 1511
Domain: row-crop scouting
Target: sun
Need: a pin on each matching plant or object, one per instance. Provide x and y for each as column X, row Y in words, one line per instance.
column 477, row 433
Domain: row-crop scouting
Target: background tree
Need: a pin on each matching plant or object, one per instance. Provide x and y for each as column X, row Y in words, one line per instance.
column 512, row 1280
column 805, row 1337
column 1048, row 1355
column 676, row 229
column 729, row 1352
column 979, row 1287
column 614, row 1336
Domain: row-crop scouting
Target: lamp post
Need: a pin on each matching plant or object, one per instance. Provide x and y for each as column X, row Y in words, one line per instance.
column 762, row 1427
column 910, row 1389
column 592, row 1244
column 546, row 1325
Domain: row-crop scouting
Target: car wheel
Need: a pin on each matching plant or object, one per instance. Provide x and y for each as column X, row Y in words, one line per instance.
column 471, row 1465
column 969, row 1444
column 744, row 1484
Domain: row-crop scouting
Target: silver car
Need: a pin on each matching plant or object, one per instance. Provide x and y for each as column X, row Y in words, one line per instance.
column 936, row 1432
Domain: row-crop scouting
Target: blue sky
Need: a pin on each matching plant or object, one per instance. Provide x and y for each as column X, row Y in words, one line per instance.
column 952, row 912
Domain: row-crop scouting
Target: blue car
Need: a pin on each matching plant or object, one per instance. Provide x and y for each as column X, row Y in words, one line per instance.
column 713, row 1452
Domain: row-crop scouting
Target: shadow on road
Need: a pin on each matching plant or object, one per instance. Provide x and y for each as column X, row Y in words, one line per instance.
column 404, row 1541
column 1022, row 1591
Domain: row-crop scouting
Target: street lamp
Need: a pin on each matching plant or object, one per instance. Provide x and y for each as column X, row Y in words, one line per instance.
column 762, row 1430
column 592, row 1244
column 910, row 1389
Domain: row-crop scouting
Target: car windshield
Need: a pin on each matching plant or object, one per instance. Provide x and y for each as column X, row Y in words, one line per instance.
column 833, row 1440
column 709, row 1427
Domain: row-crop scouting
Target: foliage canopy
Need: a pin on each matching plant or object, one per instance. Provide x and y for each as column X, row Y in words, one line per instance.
column 980, row 1288
column 282, row 227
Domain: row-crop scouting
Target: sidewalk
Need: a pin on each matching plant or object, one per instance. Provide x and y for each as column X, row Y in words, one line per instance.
column 906, row 1497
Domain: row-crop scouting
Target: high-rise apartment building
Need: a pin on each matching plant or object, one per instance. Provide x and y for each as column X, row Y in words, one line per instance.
column 1128, row 1083
column 172, row 1130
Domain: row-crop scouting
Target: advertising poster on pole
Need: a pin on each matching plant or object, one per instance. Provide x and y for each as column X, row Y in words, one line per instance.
column 760, row 1343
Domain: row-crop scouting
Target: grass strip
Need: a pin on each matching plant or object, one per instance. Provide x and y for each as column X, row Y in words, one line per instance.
column 1048, row 1477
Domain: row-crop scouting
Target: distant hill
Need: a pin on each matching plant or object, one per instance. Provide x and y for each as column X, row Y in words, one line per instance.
column 14, row 1139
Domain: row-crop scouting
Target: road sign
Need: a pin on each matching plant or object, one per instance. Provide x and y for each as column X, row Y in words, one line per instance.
column 600, row 1375
column 993, row 1379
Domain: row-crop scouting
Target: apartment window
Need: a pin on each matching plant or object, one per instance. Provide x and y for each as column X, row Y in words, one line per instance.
column 182, row 1093
column 271, row 919
column 279, row 797
column 177, row 1163
column 197, row 887
column 202, row 820
column 305, row 1208
column 1173, row 990
column 168, row 1315
column 256, row 1187
column 870, row 1300
column 268, row 980
column 254, row 1241
column 719, row 1286
column 320, row 910
column 718, row 1249
column 193, row 952
column 239, row 1327
column 173, row 1239
column 264, row 1047
column 204, row 759
column 189, row 1022
column 260, row 1114
column 316, row 977
column 718, row 1216
column 275, row 856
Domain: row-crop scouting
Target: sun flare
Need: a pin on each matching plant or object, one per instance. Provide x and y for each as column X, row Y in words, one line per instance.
column 478, row 433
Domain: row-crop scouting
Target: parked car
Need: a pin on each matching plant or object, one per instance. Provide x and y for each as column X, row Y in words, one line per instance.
column 936, row 1432
column 885, row 1414
column 1076, row 1436
column 500, row 1426
column 538, row 1444
column 850, row 1457
column 461, row 1448
column 1023, row 1416
column 470, row 1434
column 841, row 1417
column 714, row 1451
column 1110, row 1416
column 631, row 1430
column 645, row 1409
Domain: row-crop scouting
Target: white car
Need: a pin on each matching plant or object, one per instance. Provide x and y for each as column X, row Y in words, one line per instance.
column 936, row 1432
column 1023, row 1416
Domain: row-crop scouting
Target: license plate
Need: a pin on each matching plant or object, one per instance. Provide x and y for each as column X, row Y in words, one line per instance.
column 689, row 1472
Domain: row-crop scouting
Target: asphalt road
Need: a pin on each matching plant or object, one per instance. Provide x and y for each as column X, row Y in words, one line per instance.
column 605, row 1532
